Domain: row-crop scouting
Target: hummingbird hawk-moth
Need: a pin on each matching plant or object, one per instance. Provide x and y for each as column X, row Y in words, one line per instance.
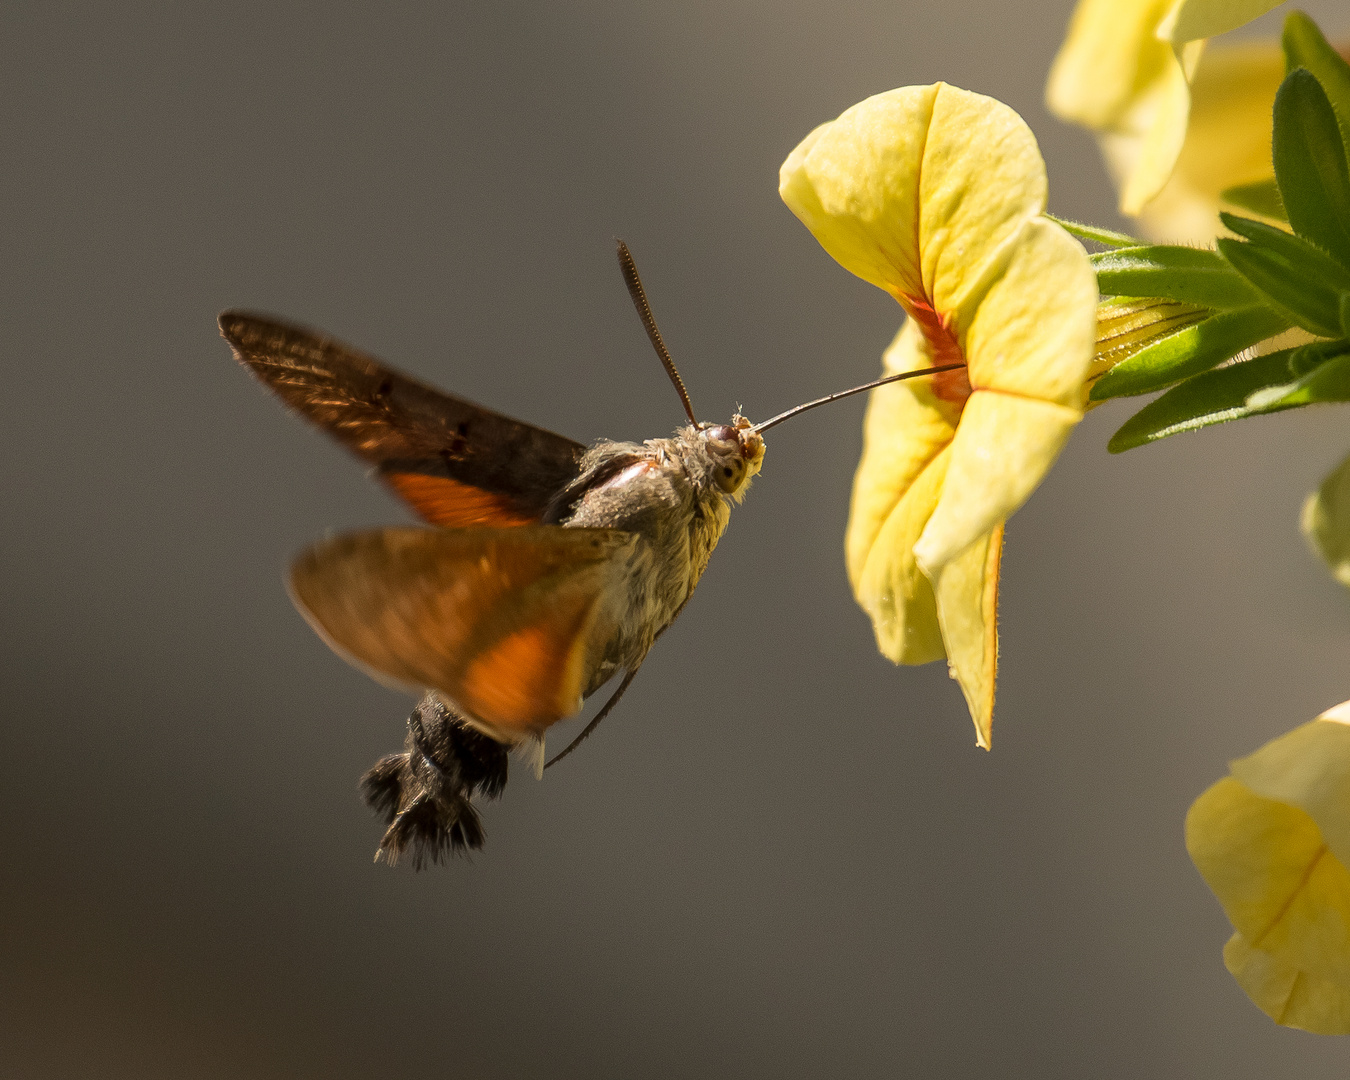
column 546, row 568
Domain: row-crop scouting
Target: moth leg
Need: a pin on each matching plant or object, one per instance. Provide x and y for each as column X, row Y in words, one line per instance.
column 614, row 698
column 425, row 793
column 595, row 723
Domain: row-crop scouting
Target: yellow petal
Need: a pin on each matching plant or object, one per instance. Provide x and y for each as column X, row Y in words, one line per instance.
column 1150, row 136
column 1110, row 54
column 905, row 428
column 854, row 182
column 1325, row 521
column 1227, row 142
column 1003, row 447
column 895, row 490
column 1123, row 72
column 1280, row 885
column 1254, row 853
column 917, row 190
column 967, row 606
column 891, row 589
column 1035, row 331
column 1308, row 768
column 1288, row 996
column 1193, row 19
column 983, row 177
column 1270, row 840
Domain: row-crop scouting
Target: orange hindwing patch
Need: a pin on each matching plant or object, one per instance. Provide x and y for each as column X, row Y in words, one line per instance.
column 441, row 501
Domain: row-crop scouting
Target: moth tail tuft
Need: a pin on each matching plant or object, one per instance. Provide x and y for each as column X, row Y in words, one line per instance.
column 433, row 830
column 382, row 786
column 425, row 793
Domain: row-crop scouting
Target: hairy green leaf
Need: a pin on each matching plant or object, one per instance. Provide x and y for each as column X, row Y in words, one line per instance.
column 1323, row 371
column 1293, row 274
column 1189, row 275
column 1304, row 46
column 1310, row 164
column 1188, row 352
column 1211, row 398
column 1261, row 197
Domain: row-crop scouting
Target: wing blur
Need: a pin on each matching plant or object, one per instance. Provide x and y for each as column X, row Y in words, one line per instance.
column 456, row 463
column 508, row 624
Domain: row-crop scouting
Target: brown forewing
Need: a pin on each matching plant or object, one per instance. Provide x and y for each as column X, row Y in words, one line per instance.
column 507, row 624
column 455, row 462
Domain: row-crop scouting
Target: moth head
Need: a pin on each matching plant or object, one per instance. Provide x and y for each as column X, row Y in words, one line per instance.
column 735, row 452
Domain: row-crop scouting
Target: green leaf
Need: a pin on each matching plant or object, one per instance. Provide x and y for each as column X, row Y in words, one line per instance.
column 1311, row 306
column 1304, row 46
column 1105, row 237
column 1345, row 314
column 1194, row 349
column 1305, row 358
column 1324, row 376
column 1212, row 398
column 1188, row 275
column 1310, row 164
column 1261, row 197
column 1294, row 275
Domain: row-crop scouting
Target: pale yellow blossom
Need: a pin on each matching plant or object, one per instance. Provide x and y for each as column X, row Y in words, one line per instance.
column 1125, row 71
column 1273, row 842
column 1227, row 143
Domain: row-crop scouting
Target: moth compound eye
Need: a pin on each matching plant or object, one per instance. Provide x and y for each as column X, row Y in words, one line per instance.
column 729, row 474
column 721, row 434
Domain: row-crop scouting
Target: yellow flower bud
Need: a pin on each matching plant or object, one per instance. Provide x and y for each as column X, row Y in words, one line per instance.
column 1325, row 521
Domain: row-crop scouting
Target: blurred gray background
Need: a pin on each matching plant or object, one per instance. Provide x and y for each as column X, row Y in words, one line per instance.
column 782, row 857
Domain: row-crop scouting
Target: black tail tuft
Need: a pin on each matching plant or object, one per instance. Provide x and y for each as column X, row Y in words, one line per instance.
column 382, row 787
column 434, row 829
column 425, row 793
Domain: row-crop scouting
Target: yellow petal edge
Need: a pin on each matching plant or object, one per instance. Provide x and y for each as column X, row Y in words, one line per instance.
column 1192, row 19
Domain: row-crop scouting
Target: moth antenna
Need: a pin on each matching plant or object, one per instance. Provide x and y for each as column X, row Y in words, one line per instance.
column 644, row 310
column 774, row 421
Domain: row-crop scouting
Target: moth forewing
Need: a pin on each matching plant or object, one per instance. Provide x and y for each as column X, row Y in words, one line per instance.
column 455, row 462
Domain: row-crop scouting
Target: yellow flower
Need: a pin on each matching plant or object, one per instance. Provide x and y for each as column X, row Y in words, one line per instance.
column 935, row 195
column 1227, row 142
column 1273, row 842
column 1123, row 71
column 1325, row 521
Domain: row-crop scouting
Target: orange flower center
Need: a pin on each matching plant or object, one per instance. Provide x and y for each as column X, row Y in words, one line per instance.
column 950, row 386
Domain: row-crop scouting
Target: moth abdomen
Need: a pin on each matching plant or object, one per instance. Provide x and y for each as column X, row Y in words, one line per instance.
column 425, row 794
